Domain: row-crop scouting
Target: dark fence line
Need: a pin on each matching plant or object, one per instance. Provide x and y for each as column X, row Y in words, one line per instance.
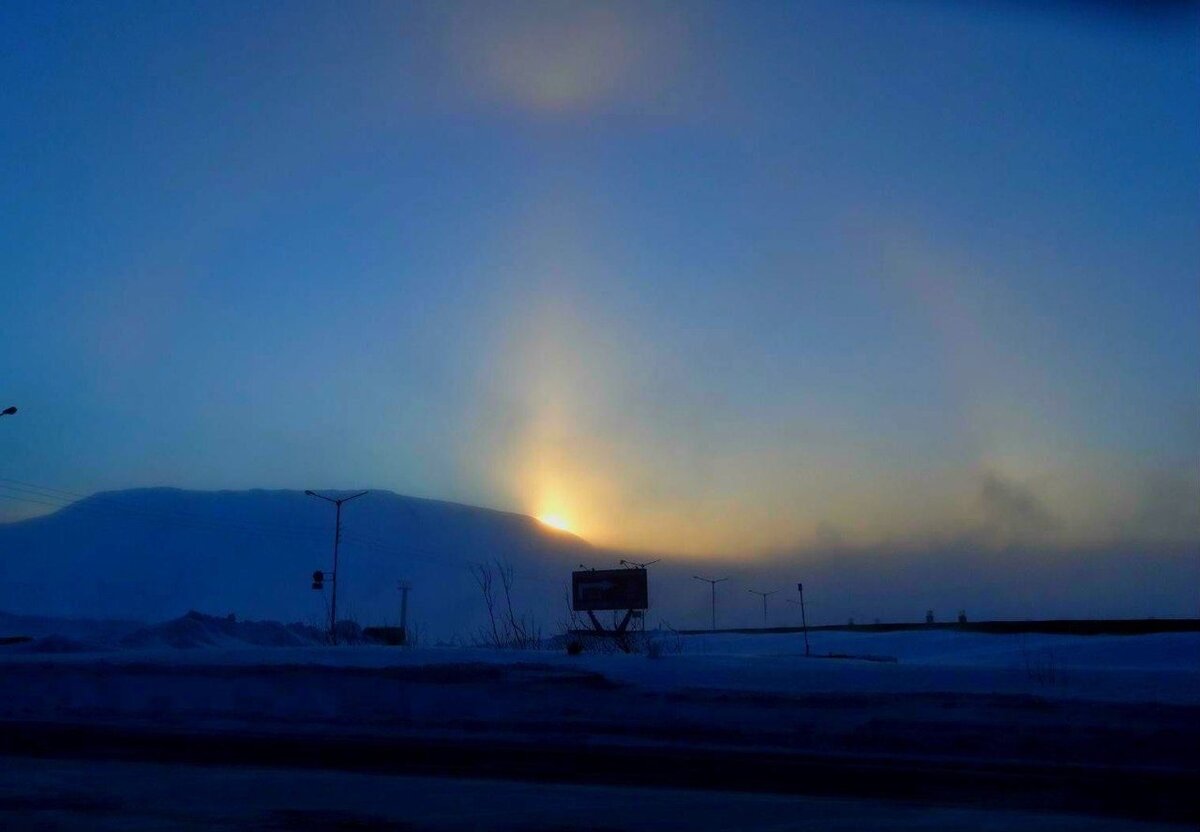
column 1058, row 626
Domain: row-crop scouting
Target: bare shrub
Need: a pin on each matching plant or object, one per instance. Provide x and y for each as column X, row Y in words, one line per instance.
column 663, row 643
column 506, row 627
column 574, row 622
column 572, row 629
column 482, row 573
column 596, row 643
column 1043, row 666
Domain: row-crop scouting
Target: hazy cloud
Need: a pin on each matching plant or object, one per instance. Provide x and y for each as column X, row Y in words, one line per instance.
column 1168, row 508
column 1012, row 512
column 548, row 57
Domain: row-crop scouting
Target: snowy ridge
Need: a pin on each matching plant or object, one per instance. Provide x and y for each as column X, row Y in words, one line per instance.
column 199, row 630
column 153, row 554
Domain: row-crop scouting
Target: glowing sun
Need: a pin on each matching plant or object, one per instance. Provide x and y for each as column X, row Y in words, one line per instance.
column 555, row 521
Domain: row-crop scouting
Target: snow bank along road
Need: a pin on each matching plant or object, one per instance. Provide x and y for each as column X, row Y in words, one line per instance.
column 1095, row 725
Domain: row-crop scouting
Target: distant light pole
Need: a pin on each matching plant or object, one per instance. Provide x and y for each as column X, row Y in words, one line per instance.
column 8, row 411
column 404, row 588
column 712, row 582
column 633, row 564
column 337, row 538
column 764, row 597
column 803, row 617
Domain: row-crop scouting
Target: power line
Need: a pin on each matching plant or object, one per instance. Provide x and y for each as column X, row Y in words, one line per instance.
column 125, row 512
column 60, row 493
column 123, row 505
column 61, row 498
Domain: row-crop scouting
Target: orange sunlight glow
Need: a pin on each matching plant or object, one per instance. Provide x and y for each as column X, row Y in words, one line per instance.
column 555, row 521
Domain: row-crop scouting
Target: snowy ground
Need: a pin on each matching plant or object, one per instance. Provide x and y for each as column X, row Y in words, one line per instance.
column 1162, row 668
column 952, row 702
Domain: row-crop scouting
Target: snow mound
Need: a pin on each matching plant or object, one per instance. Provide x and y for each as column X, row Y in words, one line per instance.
column 57, row 644
column 199, row 630
column 53, row 643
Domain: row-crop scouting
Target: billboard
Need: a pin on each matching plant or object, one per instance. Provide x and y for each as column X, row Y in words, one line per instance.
column 609, row 589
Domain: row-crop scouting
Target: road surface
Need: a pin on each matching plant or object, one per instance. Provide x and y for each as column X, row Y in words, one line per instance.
column 69, row 795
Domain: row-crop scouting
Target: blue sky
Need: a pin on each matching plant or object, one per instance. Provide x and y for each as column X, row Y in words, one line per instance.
column 706, row 278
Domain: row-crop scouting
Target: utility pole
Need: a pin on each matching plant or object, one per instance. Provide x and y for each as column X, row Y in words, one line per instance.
column 712, row 582
column 764, row 597
column 796, row 603
column 803, row 617
column 337, row 538
column 404, row 588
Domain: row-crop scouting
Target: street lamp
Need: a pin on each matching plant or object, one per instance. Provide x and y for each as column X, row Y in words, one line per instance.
column 8, row 411
column 333, row 576
column 713, row 584
column 633, row 564
column 803, row 615
column 765, row 596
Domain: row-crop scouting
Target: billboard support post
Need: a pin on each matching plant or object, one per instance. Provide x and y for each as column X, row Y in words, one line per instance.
column 595, row 590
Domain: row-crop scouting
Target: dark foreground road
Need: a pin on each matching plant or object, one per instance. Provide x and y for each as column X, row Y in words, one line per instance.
column 70, row 795
column 1127, row 794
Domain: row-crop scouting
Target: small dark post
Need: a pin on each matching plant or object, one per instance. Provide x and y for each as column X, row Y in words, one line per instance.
column 404, row 588
column 803, row 618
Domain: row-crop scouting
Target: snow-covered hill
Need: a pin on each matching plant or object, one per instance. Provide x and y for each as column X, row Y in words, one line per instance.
column 153, row 554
